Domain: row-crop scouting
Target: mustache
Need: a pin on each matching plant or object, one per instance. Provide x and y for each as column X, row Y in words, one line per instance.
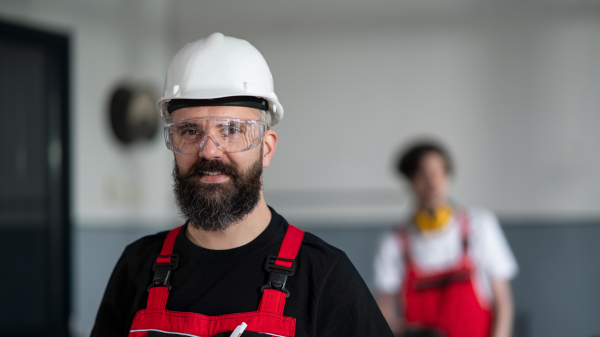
column 203, row 165
column 215, row 207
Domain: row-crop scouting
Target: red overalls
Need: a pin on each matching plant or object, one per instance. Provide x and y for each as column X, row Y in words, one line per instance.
column 268, row 320
column 445, row 301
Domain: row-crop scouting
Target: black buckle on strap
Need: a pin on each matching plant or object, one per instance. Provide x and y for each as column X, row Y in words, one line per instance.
column 162, row 271
column 278, row 274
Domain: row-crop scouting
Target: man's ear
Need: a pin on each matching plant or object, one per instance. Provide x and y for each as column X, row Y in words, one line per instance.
column 269, row 145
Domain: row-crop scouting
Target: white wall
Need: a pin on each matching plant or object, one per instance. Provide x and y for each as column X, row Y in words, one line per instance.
column 111, row 41
column 512, row 89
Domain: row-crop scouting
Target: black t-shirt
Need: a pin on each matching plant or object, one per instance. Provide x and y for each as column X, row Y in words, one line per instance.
column 327, row 295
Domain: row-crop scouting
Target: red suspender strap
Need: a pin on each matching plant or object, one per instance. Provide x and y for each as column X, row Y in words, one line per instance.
column 463, row 221
column 167, row 248
column 157, row 298
column 274, row 296
column 290, row 245
column 402, row 235
column 164, row 264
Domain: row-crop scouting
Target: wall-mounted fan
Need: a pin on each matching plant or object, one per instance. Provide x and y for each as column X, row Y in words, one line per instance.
column 133, row 114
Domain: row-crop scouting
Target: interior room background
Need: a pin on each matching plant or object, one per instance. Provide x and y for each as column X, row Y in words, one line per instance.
column 511, row 87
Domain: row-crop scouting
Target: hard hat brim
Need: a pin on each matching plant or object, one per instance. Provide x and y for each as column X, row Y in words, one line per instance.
column 275, row 108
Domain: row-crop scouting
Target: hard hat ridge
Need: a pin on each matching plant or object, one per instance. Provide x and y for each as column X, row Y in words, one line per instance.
column 219, row 66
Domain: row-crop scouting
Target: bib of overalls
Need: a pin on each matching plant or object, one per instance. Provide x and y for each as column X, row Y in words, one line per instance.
column 444, row 301
column 267, row 320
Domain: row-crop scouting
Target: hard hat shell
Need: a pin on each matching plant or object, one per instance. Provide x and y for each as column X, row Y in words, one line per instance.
column 219, row 66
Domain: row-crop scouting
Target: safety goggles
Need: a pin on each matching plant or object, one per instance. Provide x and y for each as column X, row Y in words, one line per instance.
column 229, row 134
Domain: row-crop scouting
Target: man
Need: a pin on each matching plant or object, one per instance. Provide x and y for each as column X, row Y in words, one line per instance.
column 236, row 264
column 445, row 272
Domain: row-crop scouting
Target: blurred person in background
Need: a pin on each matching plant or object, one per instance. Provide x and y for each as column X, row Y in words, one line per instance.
column 447, row 270
column 235, row 264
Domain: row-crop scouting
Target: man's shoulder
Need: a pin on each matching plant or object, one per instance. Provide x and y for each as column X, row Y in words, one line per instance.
column 484, row 226
column 146, row 244
column 319, row 251
column 479, row 212
column 481, row 218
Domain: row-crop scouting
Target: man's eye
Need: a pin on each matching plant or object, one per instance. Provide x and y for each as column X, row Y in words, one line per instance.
column 231, row 130
column 190, row 132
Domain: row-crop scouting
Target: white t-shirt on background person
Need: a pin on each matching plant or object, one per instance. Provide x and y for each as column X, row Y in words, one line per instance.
column 440, row 250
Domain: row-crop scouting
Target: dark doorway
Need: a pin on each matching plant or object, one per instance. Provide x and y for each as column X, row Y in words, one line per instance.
column 34, row 176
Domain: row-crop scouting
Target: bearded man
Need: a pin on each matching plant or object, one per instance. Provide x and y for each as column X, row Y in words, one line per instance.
column 236, row 267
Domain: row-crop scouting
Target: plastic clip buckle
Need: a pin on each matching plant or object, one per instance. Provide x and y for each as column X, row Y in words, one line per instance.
column 278, row 274
column 162, row 271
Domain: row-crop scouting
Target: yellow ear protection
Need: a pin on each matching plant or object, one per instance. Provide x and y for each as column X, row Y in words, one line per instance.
column 426, row 221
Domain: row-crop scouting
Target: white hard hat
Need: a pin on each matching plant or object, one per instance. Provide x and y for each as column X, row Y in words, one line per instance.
column 219, row 66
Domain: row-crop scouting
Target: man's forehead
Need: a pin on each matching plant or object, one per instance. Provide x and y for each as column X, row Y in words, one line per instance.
column 213, row 111
column 432, row 158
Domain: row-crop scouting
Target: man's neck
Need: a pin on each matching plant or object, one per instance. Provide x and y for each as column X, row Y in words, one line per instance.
column 236, row 235
column 432, row 207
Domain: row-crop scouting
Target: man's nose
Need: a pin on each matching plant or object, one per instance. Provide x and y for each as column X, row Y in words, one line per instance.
column 210, row 148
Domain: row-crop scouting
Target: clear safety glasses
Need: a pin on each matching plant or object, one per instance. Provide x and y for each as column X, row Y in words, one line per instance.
column 229, row 134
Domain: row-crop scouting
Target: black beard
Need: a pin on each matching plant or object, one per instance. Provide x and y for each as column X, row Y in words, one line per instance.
column 216, row 206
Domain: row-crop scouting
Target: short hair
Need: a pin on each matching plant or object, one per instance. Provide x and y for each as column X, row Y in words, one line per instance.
column 264, row 116
column 410, row 158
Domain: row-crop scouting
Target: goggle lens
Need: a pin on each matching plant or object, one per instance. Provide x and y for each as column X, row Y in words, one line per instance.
column 229, row 134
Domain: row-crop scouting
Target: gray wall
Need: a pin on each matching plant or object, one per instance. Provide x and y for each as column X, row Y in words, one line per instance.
column 556, row 292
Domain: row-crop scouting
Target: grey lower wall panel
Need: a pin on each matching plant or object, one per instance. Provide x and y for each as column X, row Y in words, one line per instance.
column 95, row 253
column 557, row 292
